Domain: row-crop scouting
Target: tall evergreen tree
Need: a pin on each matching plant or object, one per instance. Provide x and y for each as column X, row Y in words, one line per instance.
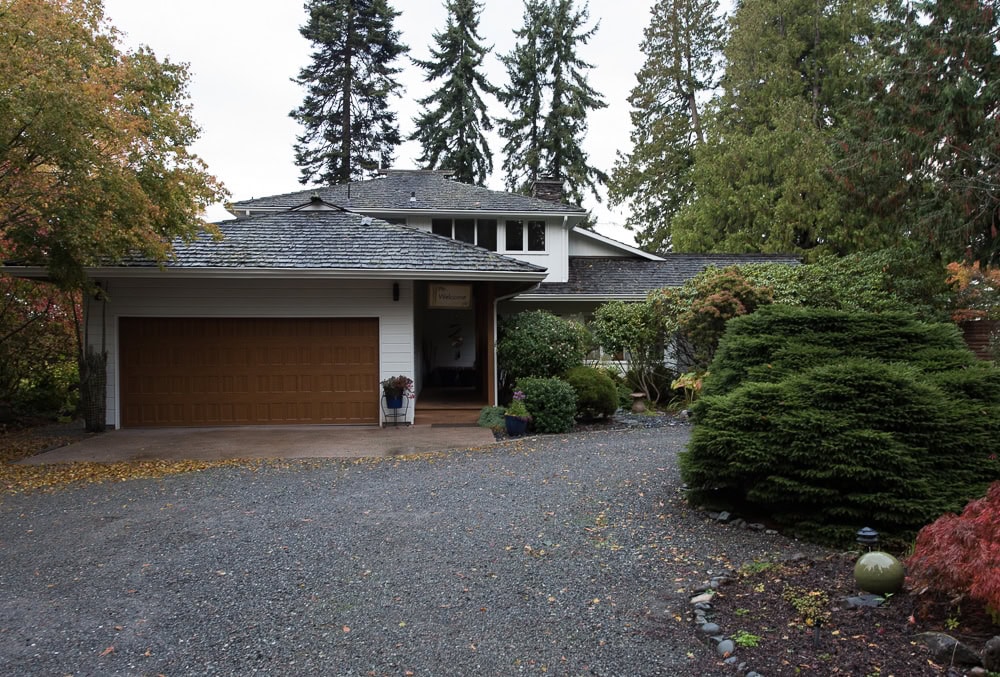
column 549, row 98
column 925, row 156
column 349, row 127
column 524, row 97
column 762, row 178
column 565, row 125
column 450, row 129
column 681, row 45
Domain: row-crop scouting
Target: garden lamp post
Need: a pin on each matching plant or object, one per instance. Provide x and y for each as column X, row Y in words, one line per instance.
column 868, row 538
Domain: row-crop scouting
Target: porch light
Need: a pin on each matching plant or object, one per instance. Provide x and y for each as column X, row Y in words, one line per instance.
column 395, row 291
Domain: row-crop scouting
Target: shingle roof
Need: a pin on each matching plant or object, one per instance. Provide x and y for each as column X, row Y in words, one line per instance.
column 432, row 190
column 333, row 240
column 623, row 277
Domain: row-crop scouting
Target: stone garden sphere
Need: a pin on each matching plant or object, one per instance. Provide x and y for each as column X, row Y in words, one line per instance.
column 879, row 573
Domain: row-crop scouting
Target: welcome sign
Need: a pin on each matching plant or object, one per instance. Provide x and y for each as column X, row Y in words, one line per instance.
column 450, row 296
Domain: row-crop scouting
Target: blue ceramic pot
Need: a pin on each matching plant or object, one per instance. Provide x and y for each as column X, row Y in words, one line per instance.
column 515, row 425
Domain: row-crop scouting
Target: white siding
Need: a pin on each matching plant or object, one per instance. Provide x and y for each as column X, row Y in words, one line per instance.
column 581, row 245
column 161, row 297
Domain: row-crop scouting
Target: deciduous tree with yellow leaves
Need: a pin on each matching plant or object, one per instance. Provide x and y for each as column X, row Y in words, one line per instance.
column 94, row 159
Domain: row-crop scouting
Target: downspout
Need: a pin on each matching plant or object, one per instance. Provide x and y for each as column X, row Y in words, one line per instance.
column 496, row 324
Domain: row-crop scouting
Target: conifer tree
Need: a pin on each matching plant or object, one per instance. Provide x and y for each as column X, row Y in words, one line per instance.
column 524, row 97
column 680, row 43
column 549, row 98
column 349, row 126
column 762, row 177
column 450, row 128
column 924, row 155
column 573, row 98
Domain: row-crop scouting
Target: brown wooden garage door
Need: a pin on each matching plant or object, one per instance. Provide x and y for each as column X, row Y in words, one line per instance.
column 235, row 371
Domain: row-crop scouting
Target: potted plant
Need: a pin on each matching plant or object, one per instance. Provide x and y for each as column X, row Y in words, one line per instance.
column 516, row 416
column 395, row 388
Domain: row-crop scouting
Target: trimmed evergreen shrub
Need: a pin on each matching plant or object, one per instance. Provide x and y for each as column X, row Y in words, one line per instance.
column 551, row 403
column 777, row 341
column 596, row 393
column 827, row 421
column 538, row 343
column 959, row 555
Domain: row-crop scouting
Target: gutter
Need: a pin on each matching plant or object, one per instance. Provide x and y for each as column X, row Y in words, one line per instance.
column 125, row 272
column 496, row 359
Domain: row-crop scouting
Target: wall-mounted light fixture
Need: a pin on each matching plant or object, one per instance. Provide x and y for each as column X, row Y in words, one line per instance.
column 395, row 291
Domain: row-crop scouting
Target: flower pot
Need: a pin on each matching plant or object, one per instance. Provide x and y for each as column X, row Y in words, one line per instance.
column 515, row 425
column 393, row 401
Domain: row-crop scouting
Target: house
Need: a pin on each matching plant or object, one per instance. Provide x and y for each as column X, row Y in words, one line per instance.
column 311, row 298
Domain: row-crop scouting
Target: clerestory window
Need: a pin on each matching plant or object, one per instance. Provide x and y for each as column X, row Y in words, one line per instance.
column 480, row 232
column 524, row 236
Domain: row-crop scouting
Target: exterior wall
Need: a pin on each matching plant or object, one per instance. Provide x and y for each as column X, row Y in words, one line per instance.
column 584, row 246
column 209, row 297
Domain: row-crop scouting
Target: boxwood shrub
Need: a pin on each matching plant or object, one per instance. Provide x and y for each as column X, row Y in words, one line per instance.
column 596, row 393
column 551, row 403
column 828, row 421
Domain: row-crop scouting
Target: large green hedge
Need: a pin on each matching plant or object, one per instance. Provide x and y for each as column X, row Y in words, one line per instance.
column 828, row 421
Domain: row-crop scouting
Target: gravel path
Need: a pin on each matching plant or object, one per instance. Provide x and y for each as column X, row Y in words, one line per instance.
column 566, row 555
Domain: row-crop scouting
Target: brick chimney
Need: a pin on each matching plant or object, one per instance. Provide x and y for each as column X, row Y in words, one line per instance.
column 549, row 188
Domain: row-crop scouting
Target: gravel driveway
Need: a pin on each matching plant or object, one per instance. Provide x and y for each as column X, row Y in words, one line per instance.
column 566, row 555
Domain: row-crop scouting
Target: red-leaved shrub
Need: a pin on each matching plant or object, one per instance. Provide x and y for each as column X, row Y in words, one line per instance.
column 959, row 555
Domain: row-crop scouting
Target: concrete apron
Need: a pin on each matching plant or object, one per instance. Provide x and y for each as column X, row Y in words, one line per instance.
column 175, row 444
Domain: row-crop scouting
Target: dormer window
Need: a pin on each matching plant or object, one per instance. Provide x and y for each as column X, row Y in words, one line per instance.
column 521, row 236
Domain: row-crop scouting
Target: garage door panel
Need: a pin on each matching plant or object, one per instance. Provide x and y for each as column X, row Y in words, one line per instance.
column 233, row 371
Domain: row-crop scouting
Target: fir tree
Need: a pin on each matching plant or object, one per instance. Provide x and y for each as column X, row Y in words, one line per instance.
column 762, row 177
column 450, row 129
column 565, row 126
column 680, row 45
column 349, row 127
column 549, row 98
column 924, row 153
column 524, row 96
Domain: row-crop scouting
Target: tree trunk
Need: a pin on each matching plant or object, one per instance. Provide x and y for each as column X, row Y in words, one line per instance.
column 93, row 389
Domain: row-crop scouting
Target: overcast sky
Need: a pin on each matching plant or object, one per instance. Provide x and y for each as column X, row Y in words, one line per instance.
column 243, row 55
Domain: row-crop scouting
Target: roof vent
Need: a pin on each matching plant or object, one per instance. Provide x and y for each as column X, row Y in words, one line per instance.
column 366, row 220
column 413, row 197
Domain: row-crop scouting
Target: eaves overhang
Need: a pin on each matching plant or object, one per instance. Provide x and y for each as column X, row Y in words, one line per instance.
column 603, row 298
column 306, row 273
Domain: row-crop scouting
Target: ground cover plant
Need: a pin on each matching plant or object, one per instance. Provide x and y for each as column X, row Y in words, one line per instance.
column 826, row 421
